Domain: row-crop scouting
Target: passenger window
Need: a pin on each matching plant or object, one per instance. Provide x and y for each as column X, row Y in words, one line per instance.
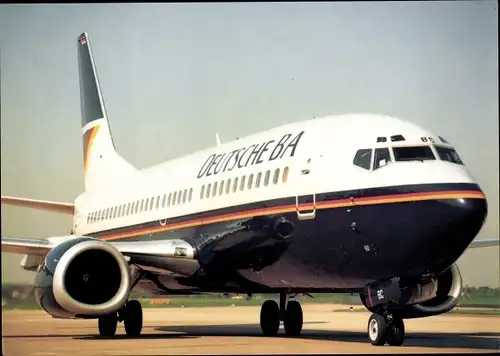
column 363, row 157
column 114, row 212
column 184, row 196
column 137, row 207
column 417, row 153
column 235, row 184
column 214, row 191
column 266, row 179
column 163, row 201
column 108, row 213
column 285, row 175
column 276, row 176
column 250, row 179
column 158, row 202
column 221, row 187
column 120, row 208
column 257, row 181
column 208, row 190
column 169, row 201
column 141, row 208
column 228, row 185
column 151, row 203
column 242, row 183
column 128, row 209
column 382, row 157
column 179, row 197
column 190, row 194
column 202, row 192
column 173, row 198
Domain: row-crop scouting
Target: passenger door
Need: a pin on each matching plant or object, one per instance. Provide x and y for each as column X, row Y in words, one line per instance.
column 305, row 198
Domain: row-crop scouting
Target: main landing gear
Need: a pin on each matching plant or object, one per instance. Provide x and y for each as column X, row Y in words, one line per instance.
column 131, row 315
column 290, row 312
column 384, row 328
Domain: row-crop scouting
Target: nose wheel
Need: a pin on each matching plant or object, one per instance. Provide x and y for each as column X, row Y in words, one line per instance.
column 131, row 315
column 290, row 312
column 386, row 328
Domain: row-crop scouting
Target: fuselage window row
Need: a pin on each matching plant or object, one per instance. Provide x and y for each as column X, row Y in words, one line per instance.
column 232, row 185
column 146, row 204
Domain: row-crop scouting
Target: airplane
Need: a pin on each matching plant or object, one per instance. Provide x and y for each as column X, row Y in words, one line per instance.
column 354, row 203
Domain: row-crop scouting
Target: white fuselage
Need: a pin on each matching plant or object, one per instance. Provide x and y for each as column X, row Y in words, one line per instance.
column 318, row 157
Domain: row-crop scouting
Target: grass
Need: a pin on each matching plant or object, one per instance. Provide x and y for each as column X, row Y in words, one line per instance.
column 347, row 299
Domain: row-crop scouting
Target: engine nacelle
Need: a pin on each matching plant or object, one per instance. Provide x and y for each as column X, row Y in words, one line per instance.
column 416, row 300
column 82, row 278
column 449, row 289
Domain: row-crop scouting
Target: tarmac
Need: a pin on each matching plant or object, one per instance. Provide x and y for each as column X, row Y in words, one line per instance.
column 235, row 330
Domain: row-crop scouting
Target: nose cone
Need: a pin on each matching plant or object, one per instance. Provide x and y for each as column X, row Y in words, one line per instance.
column 460, row 224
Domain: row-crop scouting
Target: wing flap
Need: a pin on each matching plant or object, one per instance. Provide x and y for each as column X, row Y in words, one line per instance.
column 57, row 207
column 26, row 246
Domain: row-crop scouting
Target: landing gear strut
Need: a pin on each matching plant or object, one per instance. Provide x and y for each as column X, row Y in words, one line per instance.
column 384, row 328
column 290, row 312
column 131, row 315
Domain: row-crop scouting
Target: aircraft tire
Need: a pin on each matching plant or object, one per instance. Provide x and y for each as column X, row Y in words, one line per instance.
column 377, row 329
column 270, row 318
column 107, row 325
column 396, row 332
column 133, row 318
column 294, row 318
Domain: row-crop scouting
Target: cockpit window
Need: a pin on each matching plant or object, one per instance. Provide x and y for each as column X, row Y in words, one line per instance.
column 417, row 153
column 363, row 158
column 448, row 154
column 382, row 157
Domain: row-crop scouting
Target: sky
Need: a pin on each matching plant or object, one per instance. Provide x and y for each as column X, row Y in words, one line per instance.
column 174, row 74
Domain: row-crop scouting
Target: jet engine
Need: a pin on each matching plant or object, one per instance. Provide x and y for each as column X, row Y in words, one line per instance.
column 82, row 278
column 449, row 288
column 417, row 300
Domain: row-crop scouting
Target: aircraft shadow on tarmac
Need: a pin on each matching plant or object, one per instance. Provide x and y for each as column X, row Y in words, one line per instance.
column 482, row 340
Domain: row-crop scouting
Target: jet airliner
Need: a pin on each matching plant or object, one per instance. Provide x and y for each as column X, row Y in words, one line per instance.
column 359, row 203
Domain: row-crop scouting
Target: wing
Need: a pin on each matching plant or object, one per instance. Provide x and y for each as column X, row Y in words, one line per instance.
column 58, row 207
column 484, row 243
column 173, row 253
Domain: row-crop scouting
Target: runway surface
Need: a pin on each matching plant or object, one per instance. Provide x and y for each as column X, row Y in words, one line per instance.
column 235, row 330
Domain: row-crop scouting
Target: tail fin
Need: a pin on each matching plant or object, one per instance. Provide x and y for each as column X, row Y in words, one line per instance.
column 101, row 163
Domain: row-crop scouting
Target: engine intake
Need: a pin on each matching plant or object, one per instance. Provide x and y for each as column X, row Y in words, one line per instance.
column 83, row 277
column 449, row 288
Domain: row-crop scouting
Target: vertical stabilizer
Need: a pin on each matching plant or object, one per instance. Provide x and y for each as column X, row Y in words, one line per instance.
column 101, row 163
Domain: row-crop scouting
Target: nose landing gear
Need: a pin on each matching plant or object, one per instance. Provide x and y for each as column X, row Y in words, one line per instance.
column 290, row 312
column 131, row 315
column 384, row 328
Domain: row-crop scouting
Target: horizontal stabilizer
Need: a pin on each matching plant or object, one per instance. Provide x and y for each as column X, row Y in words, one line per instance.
column 57, row 207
